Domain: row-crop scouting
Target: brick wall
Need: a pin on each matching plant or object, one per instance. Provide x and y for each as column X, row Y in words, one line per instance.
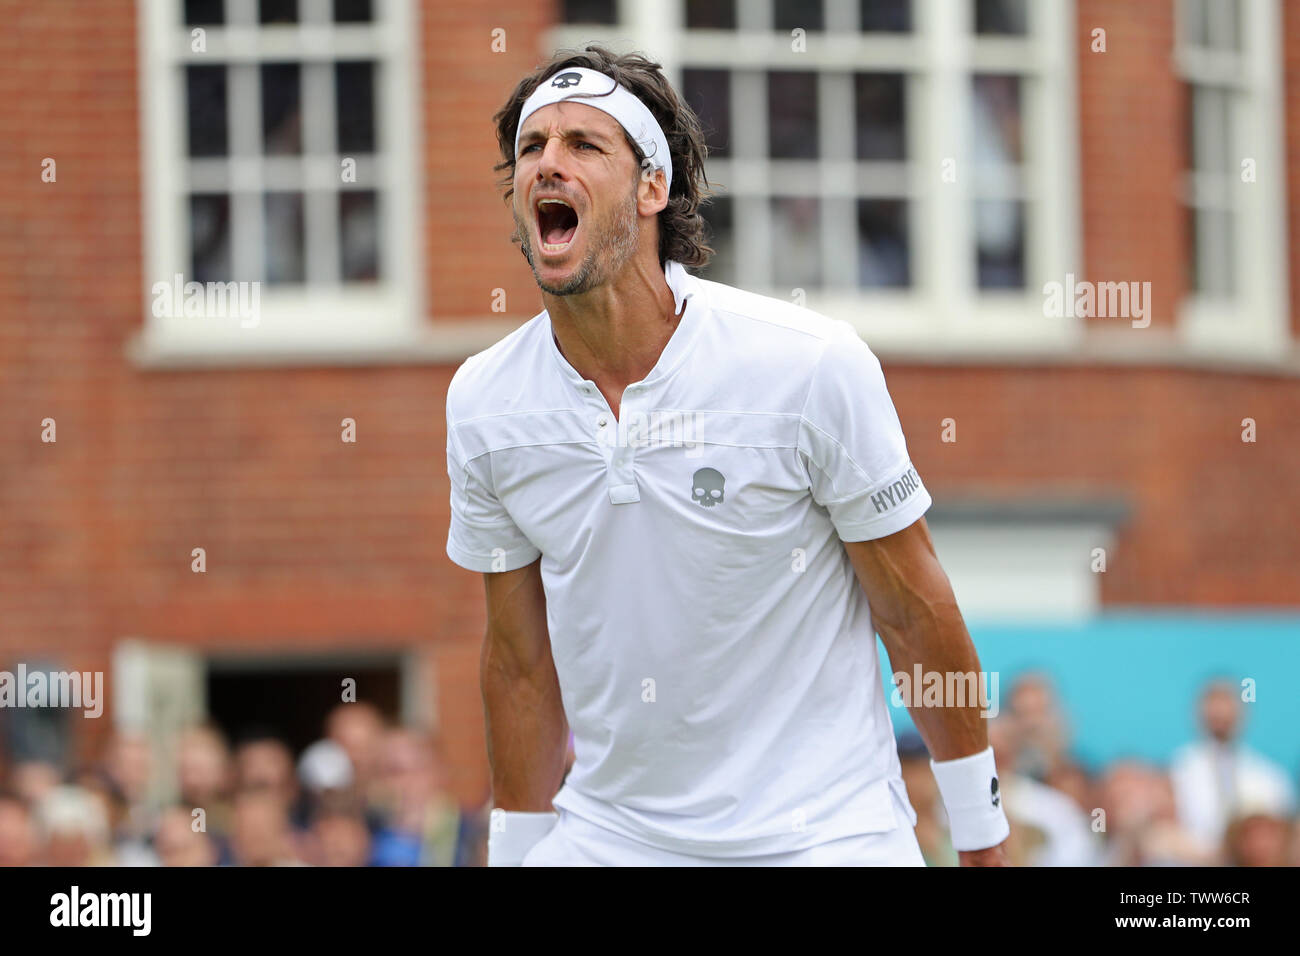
column 1207, row 525
column 468, row 223
column 1131, row 138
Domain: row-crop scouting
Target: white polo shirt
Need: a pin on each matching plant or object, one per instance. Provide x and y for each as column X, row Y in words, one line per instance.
column 714, row 649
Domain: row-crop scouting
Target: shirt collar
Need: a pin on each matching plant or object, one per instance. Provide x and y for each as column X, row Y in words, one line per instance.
column 686, row 292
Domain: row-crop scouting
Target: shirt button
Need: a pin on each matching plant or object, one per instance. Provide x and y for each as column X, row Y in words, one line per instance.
column 602, row 422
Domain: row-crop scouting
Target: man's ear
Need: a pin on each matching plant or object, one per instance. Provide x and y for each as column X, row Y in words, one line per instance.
column 651, row 190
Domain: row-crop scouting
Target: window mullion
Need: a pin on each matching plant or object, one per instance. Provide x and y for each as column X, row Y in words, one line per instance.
column 247, row 215
column 241, row 13
column 946, row 247
column 749, row 148
column 322, row 180
column 838, row 180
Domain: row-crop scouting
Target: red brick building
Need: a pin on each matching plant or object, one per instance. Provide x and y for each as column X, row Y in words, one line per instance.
column 922, row 169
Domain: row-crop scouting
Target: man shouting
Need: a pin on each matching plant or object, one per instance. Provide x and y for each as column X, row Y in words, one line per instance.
column 694, row 508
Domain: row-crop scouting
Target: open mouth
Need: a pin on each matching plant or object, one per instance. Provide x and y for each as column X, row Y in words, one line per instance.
column 557, row 224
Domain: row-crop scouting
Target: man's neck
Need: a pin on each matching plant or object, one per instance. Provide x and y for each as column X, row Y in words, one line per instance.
column 614, row 334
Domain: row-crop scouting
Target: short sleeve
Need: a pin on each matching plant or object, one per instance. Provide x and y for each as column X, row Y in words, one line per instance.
column 482, row 536
column 852, row 443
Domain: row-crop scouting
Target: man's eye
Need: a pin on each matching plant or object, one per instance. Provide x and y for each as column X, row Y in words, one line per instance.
column 528, row 149
column 587, row 146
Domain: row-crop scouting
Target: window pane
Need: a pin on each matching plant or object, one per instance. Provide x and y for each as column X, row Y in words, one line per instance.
column 1210, row 125
column 720, row 235
column 354, row 91
column 1212, row 242
column 1212, row 24
column 284, row 237
column 359, row 235
column 792, row 115
column 204, row 13
column 878, row 107
column 711, row 14
column 281, row 109
column 709, row 93
column 1192, row 22
column 885, row 16
column 796, row 242
column 589, row 11
column 995, row 114
column 205, row 110
column 1000, row 244
column 210, row 238
column 1223, row 25
column 884, row 256
column 277, row 11
column 352, row 11
column 1000, row 16
column 788, row 15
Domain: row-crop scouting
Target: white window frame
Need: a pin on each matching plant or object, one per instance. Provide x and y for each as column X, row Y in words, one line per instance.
column 1254, row 322
column 1023, row 570
column 943, row 311
column 296, row 322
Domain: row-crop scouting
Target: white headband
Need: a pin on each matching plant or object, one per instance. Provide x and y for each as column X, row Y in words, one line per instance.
column 579, row 84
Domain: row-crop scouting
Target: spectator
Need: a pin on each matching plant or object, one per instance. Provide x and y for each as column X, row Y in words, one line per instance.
column 1142, row 827
column 33, row 779
column 340, row 838
column 264, row 764
column 204, row 775
column 17, row 833
column 128, row 764
column 359, row 729
column 1215, row 778
column 178, row 844
column 74, row 828
column 260, row 835
column 128, row 849
column 423, row 823
column 1048, row 827
column 1256, row 839
column 1043, row 739
column 1293, row 851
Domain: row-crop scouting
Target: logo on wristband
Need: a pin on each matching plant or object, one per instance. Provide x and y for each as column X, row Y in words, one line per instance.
column 993, row 788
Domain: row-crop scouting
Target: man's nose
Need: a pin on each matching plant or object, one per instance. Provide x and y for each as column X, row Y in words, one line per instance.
column 552, row 159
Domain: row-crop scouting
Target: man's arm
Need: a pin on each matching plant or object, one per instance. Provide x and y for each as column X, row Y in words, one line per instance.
column 914, row 611
column 526, row 728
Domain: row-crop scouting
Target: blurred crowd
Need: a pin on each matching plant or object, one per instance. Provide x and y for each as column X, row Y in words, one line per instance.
column 365, row 794
column 372, row 794
column 1217, row 803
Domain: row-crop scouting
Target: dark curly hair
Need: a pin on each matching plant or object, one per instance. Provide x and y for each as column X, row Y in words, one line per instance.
column 681, row 227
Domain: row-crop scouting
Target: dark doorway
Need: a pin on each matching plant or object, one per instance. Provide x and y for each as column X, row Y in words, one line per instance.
column 290, row 698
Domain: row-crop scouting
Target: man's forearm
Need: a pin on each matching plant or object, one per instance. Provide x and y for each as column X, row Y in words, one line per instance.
column 936, row 638
column 526, row 730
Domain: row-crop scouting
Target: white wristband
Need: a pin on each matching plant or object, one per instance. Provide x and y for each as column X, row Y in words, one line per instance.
column 969, row 787
column 511, row 834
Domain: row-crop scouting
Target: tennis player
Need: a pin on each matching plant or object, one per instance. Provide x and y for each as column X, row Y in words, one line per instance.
column 694, row 508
